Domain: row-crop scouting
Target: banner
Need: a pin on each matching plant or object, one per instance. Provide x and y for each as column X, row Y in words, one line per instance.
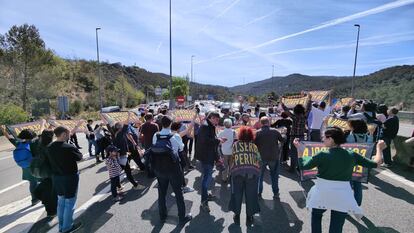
column 70, row 124
column 292, row 101
column 113, row 117
column 332, row 121
column 183, row 114
column 309, row 149
column 319, row 96
column 36, row 126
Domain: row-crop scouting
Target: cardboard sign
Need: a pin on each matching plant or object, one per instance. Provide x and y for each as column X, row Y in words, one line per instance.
column 331, row 121
column 309, row 149
column 183, row 114
column 291, row 101
column 113, row 117
column 36, row 126
column 343, row 102
column 319, row 96
column 70, row 124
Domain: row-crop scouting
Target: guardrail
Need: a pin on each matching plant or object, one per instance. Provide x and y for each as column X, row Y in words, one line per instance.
column 406, row 116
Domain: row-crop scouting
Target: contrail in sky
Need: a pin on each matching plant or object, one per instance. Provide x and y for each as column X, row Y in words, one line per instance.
column 261, row 18
column 219, row 15
column 376, row 10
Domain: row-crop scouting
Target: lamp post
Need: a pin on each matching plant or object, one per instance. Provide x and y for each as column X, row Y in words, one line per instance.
column 171, row 94
column 356, row 55
column 192, row 74
column 99, row 69
column 273, row 73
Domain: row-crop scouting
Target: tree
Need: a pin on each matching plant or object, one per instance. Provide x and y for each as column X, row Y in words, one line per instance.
column 26, row 54
column 180, row 87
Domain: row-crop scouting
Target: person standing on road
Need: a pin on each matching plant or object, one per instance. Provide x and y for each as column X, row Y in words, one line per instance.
column 120, row 140
column 114, row 170
column 287, row 123
column 92, row 141
column 332, row 190
column 315, row 124
column 206, row 153
column 226, row 148
column 245, row 171
column 166, row 164
column 148, row 129
column 390, row 131
column 62, row 158
column 268, row 141
column 26, row 148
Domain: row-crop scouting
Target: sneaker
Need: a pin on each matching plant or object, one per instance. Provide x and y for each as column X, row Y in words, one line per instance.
column 186, row 219
column 249, row 221
column 276, row 196
column 187, row 189
column 118, row 198
column 75, row 227
column 120, row 188
column 139, row 187
column 387, row 165
column 211, row 197
column 204, row 207
column 236, row 219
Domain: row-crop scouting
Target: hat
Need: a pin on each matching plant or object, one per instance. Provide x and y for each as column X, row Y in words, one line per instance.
column 112, row 148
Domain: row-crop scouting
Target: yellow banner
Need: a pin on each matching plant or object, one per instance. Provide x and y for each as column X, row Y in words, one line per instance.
column 319, row 96
column 291, row 102
column 343, row 102
column 338, row 122
column 36, row 126
column 183, row 114
column 113, row 117
column 70, row 124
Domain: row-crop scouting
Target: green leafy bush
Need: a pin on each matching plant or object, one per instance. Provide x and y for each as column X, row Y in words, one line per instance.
column 12, row 114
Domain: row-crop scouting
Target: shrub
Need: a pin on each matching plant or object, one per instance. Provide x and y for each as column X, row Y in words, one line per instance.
column 12, row 114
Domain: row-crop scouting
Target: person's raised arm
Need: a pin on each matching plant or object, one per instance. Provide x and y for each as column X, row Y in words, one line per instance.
column 74, row 130
column 42, row 127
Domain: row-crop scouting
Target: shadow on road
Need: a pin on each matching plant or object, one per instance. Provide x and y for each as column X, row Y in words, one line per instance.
column 391, row 190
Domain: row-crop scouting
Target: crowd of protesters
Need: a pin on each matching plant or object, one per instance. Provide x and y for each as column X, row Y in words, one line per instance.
column 242, row 150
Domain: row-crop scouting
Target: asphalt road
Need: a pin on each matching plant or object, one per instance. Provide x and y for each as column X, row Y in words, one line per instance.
column 388, row 205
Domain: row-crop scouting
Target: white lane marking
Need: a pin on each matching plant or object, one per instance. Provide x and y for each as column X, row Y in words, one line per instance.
column 25, row 215
column 395, row 177
column 7, row 157
column 24, row 181
column 12, row 187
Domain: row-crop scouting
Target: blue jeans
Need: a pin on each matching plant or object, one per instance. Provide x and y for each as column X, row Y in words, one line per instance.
column 65, row 210
column 207, row 170
column 274, row 175
column 90, row 143
column 357, row 187
column 336, row 224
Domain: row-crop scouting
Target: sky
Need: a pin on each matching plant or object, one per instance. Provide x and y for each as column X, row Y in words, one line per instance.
column 233, row 41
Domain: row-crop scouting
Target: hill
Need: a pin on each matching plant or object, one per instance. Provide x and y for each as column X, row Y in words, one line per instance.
column 390, row 86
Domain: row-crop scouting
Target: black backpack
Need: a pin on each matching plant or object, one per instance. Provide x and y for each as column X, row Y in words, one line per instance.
column 163, row 161
column 377, row 123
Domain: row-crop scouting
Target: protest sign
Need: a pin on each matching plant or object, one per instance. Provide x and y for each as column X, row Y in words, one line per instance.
column 332, row 121
column 183, row 114
column 36, row 126
column 113, row 117
column 291, row 101
column 319, row 96
column 70, row 124
column 343, row 102
column 309, row 149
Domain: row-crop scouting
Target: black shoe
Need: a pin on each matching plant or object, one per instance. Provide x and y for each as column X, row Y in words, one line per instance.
column 259, row 196
column 163, row 218
column 204, row 207
column 191, row 167
column 249, row 221
column 34, row 202
column 236, row 219
column 276, row 196
column 211, row 197
column 186, row 219
column 75, row 227
column 98, row 161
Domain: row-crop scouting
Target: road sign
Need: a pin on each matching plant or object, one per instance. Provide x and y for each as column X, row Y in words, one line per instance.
column 158, row 91
column 189, row 98
column 63, row 104
column 180, row 99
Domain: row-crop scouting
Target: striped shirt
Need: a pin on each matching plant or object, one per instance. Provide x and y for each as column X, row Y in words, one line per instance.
column 113, row 167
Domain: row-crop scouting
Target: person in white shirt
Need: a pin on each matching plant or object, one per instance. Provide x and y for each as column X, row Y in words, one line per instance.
column 315, row 124
column 227, row 147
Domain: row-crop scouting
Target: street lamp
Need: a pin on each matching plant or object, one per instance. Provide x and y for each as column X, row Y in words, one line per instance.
column 356, row 55
column 192, row 74
column 273, row 73
column 99, row 69
column 171, row 95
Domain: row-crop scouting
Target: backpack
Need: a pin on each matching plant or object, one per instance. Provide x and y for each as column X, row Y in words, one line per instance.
column 40, row 167
column 163, row 160
column 22, row 154
column 373, row 121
